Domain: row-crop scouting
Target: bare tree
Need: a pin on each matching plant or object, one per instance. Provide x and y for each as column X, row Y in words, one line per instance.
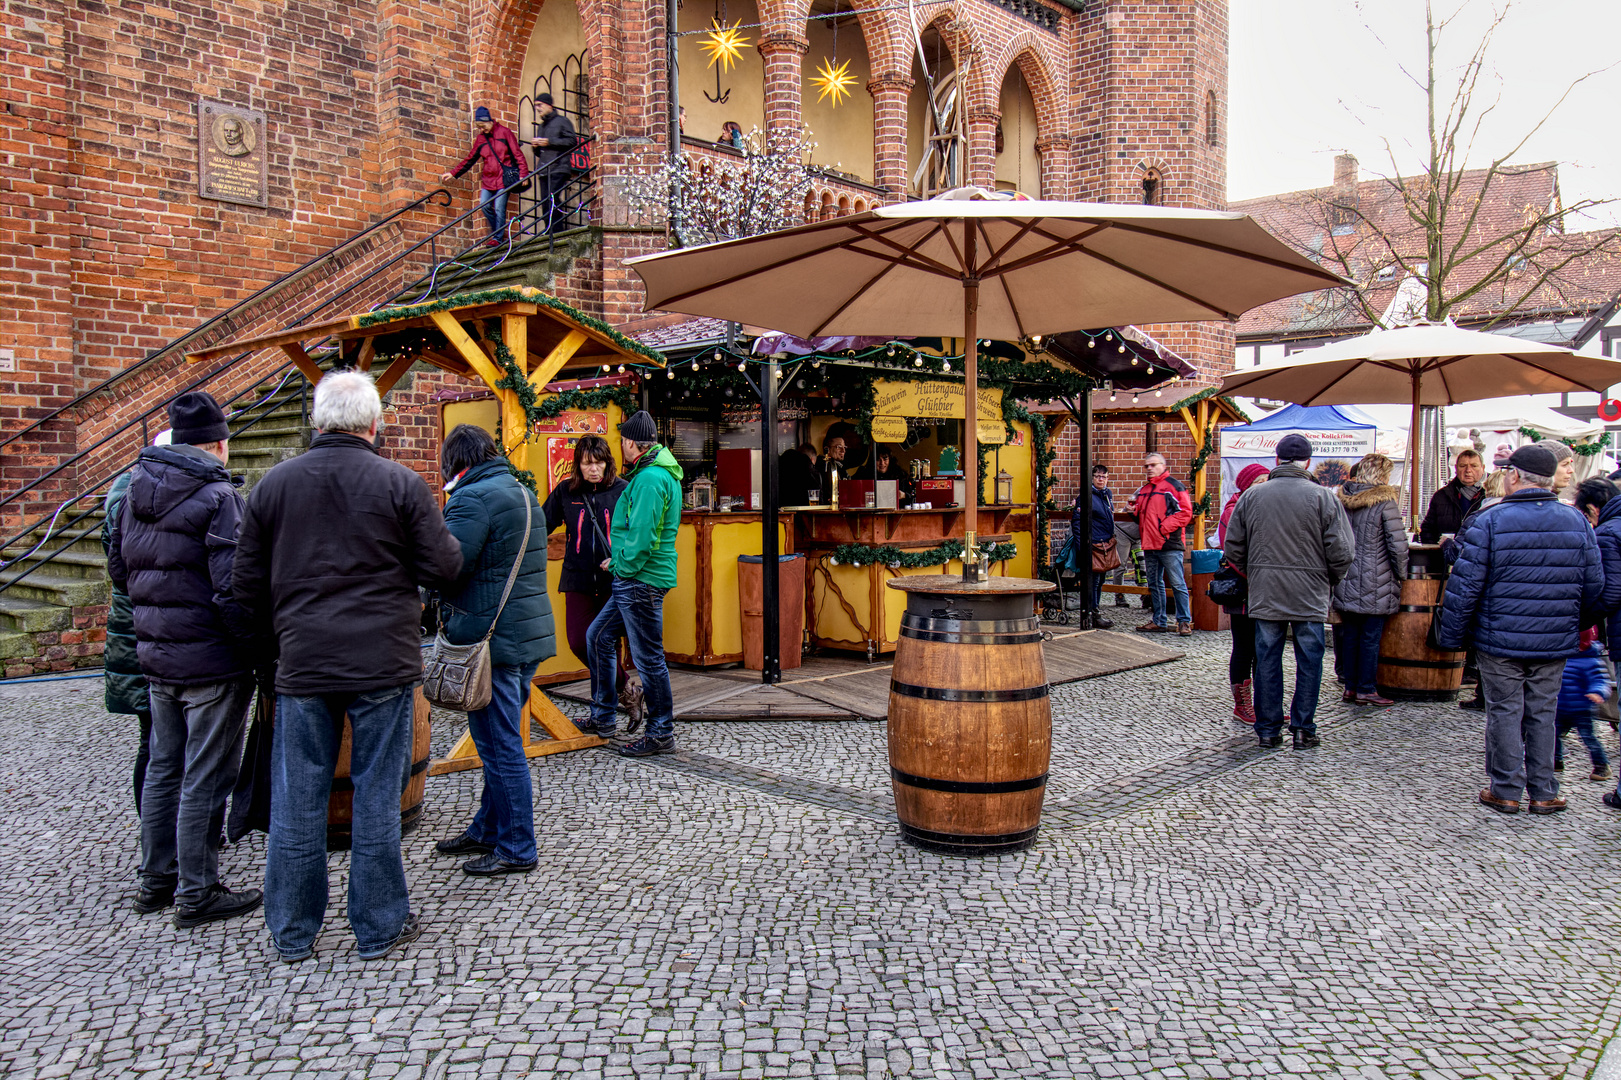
column 710, row 198
column 1448, row 240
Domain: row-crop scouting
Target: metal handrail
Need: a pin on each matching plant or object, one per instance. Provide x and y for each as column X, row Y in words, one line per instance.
column 580, row 182
column 169, row 346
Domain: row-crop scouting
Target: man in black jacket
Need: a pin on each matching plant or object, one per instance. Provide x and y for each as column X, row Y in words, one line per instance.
column 1454, row 500
column 553, row 146
column 175, row 542
column 334, row 546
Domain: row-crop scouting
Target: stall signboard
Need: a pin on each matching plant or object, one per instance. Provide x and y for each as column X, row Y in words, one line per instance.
column 896, row 401
column 1335, row 451
column 573, row 423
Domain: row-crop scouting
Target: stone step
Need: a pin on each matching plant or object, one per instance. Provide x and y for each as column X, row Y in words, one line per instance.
column 32, row 616
column 47, row 586
column 69, row 563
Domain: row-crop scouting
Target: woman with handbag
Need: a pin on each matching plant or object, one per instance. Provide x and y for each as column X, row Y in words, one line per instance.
column 1101, row 542
column 499, row 598
column 1241, row 660
column 584, row 505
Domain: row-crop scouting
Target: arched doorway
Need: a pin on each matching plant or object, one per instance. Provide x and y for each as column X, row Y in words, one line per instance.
column 1018, row 166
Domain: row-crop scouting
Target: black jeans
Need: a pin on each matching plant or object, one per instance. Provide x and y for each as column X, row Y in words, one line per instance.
column 1241, row 664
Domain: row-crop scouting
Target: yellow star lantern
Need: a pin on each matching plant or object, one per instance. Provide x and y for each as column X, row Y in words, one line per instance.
column 834, row 82
column 724, row 44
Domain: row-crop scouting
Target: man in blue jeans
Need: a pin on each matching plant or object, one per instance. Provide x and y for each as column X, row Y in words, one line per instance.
column 1164, row 512
column 642, row 536
column 333, row 547
column 174, row 545
column 1291, row 539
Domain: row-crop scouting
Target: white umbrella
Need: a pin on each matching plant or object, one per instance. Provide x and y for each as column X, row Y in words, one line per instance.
column 1425, row 364
column 972, row 264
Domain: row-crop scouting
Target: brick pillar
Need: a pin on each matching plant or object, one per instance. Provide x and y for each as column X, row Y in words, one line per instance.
column 1057, row 166
column 784, row 55
column 889, row 93
column 980, row 125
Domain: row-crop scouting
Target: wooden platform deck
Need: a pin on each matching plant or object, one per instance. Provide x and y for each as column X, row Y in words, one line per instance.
column 838, row 687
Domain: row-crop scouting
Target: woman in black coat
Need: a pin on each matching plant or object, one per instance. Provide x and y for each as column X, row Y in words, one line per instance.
column 584, row 504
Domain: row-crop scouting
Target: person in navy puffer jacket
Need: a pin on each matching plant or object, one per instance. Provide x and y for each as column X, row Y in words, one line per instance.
column 1582, row 690
column 1527, row 579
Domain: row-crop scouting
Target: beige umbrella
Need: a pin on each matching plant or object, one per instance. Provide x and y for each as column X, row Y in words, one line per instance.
column 1427, row 364
column 1019, row 266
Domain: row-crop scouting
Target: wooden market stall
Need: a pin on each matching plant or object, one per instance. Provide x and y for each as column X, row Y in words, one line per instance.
column 514, row 341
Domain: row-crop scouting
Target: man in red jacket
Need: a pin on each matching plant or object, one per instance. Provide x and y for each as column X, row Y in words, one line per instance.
column 498, row 147
column 1163, row 512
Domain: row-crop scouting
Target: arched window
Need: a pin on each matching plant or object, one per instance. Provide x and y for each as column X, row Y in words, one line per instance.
column 1212, row 124
column 1153, row 187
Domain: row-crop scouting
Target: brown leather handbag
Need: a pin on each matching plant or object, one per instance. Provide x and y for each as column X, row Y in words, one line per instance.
column 1106, row 556
column 458, row 676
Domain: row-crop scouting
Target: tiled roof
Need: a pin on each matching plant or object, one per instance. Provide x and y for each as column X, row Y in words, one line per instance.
column 1518, row 193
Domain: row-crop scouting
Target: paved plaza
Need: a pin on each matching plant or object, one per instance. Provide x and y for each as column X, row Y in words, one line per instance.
column 1194, row 908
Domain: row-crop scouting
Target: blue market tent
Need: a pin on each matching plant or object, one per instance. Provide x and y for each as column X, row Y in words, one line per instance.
column 1340, row 435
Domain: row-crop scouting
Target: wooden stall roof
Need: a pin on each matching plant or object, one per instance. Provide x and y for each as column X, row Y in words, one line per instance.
column 431, row 331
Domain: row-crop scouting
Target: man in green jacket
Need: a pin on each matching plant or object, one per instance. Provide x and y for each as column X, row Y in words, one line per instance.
column 642, row 536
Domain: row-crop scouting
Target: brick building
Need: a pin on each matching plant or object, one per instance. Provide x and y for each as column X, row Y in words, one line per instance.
column 113, row 248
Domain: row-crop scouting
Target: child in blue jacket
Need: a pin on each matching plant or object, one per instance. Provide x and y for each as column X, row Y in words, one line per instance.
column 1585, row 686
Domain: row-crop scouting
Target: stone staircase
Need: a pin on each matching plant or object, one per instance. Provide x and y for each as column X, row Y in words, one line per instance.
column 53, row 607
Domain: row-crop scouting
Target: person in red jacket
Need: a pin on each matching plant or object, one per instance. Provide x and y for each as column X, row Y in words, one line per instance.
column 1163, row 512
column 498, row 148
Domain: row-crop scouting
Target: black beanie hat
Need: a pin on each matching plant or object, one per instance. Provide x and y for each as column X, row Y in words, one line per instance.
column 196, row 419
column 639, row 428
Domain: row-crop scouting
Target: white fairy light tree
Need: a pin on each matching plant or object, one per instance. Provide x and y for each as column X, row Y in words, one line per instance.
column 713, row 198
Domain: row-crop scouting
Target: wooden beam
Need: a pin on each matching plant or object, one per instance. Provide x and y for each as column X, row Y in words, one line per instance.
column 560, row 355
column 310, row 369
column 393, row 374
column 466, row 349
column 514, row 422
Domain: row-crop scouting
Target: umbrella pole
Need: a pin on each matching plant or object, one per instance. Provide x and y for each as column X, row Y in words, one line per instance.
column 970, row 406
column 1412, row 459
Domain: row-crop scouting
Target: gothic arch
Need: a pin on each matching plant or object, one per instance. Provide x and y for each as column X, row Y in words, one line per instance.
column 1026, row 50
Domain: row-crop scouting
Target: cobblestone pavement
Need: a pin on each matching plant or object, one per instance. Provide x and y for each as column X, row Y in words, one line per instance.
column 1195, row 908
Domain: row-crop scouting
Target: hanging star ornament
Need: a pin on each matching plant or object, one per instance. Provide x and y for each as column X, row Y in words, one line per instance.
column 724, row 44
column 834, row 82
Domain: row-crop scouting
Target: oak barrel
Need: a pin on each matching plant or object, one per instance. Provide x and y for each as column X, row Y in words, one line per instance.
column 970, row 722
column 1408, row 668
column 340, row 805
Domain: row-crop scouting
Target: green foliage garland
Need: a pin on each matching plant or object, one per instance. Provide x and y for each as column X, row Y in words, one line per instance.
column 887, row 555
column 1586, row 449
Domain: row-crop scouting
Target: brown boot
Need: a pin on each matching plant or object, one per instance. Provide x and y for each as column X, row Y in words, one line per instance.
column 1243, row 702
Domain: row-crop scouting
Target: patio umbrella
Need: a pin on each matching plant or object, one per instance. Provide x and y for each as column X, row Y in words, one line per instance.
column 1425, row 364
column 1020, row 267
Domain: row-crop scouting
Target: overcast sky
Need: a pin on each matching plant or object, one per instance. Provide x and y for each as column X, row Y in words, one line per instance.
column 1310, row 80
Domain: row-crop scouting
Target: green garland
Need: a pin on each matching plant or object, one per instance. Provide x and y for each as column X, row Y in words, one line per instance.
column 887, row 555
column 1585, row 449
column 510, row 295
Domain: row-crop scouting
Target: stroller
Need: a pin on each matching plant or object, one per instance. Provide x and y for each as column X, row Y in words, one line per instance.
column 1064, row 605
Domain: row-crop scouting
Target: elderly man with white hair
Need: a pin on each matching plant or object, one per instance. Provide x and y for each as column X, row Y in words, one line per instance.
column 333, row 547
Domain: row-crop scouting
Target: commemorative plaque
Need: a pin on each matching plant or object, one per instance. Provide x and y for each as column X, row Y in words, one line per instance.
column 231, row 154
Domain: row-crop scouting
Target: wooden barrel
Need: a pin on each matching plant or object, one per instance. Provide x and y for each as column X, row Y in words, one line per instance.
column 970, row 723
column 340, row 805
column 1408, row 668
